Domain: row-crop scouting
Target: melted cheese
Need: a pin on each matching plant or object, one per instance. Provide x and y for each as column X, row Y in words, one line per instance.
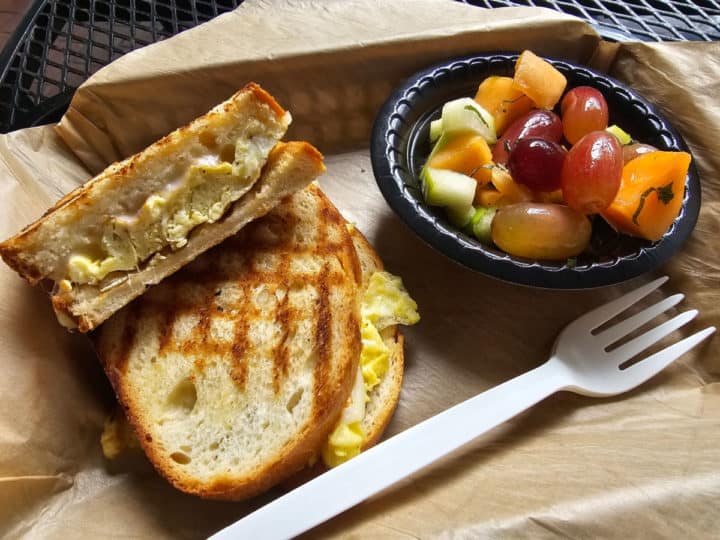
column 202, row 195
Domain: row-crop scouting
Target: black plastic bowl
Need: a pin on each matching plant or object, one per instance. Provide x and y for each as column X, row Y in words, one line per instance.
column 400, row 145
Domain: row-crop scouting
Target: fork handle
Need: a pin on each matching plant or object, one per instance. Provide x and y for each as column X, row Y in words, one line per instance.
column 398, row 457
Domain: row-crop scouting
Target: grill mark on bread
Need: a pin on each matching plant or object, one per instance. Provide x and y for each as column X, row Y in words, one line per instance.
column 129, row 334
column 323, row 344
column 238, row 363
column 281, row 356
column 323, row 325
column 197, row 343
column 282, row 226
column 241, row 347
column 339, row 250
column 166, row 328
column 283, row 318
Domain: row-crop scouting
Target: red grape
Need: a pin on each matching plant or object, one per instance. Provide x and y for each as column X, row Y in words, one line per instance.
column 537, row 123
column 537, row 163
column 592, row 172
column 584, row 109
column 631, row 151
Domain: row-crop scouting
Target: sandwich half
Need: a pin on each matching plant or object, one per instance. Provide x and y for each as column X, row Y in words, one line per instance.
column 143, row 218
column 236, row 372
column 233, row 370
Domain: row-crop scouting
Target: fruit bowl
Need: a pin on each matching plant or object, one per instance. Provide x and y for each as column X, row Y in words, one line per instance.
column 400, row 145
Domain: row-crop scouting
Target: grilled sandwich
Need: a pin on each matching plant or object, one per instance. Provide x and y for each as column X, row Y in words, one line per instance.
column 143, row 218
column 233, row 370
column 254, row 361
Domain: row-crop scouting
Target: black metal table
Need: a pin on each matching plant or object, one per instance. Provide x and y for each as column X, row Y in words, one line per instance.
column 60, row 43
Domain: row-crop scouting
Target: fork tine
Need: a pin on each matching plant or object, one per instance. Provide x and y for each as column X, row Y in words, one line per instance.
column 612, row 334
column 651, row 365
column 642, row 342
column 604, row 313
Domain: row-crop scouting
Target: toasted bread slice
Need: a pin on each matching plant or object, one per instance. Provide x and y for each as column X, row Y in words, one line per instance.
column 142, row 218
column 233, row 370
column 118, row 437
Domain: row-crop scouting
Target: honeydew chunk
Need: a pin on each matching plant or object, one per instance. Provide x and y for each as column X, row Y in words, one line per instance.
column 482, row 224
column 465, row 114
column 435, row 130
column 448, row 188
column 461, row 217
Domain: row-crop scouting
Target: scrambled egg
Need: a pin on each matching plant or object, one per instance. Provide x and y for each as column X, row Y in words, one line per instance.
column 347, row 437
column 374, row 355
column 117, row 436
column 385, row 303
column 165, row 219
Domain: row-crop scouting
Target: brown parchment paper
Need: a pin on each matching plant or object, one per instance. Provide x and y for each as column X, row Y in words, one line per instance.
column 644, row 465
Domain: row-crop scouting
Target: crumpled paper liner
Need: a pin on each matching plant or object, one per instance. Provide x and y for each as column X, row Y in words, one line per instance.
column 640, row 465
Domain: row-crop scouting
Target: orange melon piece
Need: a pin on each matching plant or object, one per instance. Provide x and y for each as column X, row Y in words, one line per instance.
column 650, row 195
column 483, row 175
column 465, row 153
column 512, row 191
column 499, row 97
column 539, row 80
column 487, row 196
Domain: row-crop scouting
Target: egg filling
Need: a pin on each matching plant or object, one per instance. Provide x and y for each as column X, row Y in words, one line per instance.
column 385, row 303
column 201, row 195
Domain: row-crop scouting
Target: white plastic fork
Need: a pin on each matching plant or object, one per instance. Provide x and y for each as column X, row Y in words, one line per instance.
column 580, row 363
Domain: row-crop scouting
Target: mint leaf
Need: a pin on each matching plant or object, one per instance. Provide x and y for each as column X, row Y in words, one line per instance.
column 480, row 116
column 664, row 193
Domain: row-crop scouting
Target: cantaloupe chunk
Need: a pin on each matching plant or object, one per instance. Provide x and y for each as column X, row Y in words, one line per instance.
column 511, row 190
column 487, row 196
column 499, row 97
column 539, row 80
column 650, row 195
column 466, row 153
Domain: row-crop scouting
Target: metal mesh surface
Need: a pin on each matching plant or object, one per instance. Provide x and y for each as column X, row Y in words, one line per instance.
column 643, row 20
column 62, row 42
